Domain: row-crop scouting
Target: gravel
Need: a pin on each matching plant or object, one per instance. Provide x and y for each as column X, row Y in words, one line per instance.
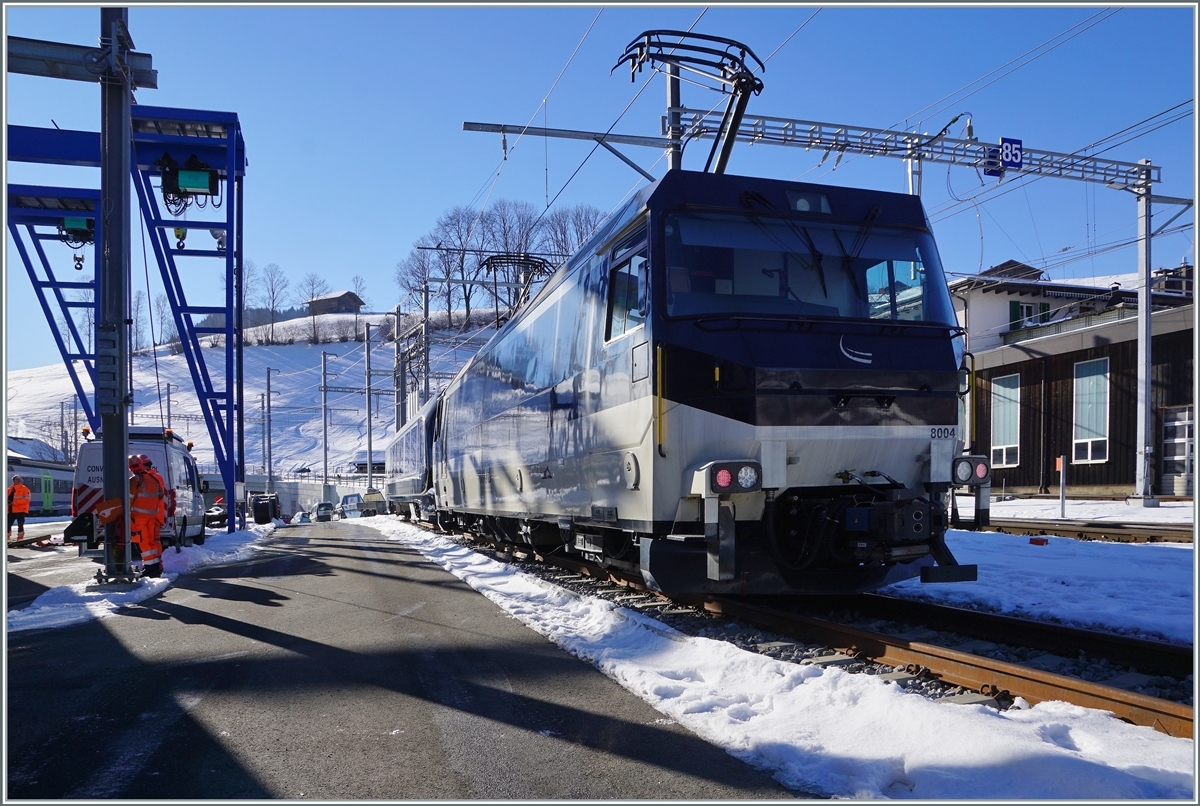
column 698, row 622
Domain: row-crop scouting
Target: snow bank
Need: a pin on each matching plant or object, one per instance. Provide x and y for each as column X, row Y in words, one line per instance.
column 72, row 604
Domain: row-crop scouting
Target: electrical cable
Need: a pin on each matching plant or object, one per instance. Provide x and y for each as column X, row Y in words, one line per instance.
column 965, row 86
column 948, row 211
column 153, row 338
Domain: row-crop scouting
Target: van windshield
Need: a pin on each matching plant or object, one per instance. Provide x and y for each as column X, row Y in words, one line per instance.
column 749, row 263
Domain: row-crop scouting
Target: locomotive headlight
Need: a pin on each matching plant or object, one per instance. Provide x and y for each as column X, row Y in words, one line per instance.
column 962, row 471
column 747, row 477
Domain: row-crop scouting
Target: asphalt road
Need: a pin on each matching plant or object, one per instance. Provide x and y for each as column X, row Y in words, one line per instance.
column 338, row 666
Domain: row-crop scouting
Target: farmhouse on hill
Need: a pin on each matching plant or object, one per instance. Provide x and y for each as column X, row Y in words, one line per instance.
column 337, row 302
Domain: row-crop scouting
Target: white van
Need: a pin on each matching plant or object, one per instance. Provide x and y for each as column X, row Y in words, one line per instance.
column 173, row 461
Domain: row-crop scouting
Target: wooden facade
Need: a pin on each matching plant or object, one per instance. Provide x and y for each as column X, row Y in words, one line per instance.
column 1046, row 414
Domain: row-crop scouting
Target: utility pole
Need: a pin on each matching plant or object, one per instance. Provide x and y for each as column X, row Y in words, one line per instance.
column 168, row 404
column 62, row 426
column 112, row 340
column 1144, row 447
column 398, row 381
column 1145, row 331
column 75, row 429
column 324, row 423
column 425, row 342
column 262, row 418
column 370, row 463
column 270, row 463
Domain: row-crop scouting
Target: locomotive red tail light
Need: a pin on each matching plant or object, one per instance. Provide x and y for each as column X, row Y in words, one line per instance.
column 724, row 478
column 981, row 470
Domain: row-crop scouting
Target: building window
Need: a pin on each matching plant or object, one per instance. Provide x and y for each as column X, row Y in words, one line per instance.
column 1027, row 314
column 1178, row 450
column 1091, row 411
column 1006, row 421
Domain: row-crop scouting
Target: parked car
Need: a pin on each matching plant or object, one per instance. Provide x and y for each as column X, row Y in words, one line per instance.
column 216, row 516
column 324, row 511
column 301, row 517
column 351, row 506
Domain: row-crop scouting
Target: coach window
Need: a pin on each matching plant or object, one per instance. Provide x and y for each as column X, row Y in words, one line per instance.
column 1006, row 407
column 1091, row 411
column 626, row 296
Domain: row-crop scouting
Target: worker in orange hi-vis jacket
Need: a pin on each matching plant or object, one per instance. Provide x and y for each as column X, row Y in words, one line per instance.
column 168, row 508
column 146, row 518
column 18, row 506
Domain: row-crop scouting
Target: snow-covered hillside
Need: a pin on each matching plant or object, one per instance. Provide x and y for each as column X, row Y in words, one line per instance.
column 33, row 395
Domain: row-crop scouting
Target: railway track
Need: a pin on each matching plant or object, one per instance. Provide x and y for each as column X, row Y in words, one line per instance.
column 1151, row 657
column 1095, row 530
column 993, row 680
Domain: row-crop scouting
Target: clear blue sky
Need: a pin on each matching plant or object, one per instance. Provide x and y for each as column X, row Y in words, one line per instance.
column 353, row 119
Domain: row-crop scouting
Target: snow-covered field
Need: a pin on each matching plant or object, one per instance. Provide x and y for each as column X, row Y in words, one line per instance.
column 33, row 395
column 822, row 729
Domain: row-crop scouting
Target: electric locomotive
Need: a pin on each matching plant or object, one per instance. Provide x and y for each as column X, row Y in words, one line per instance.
column 737, row 385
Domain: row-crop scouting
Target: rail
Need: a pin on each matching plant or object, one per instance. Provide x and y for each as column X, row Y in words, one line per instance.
column 988, row 677
column 1096, row 530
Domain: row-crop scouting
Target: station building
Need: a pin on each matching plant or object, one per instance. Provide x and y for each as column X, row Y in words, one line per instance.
column 1056, row 375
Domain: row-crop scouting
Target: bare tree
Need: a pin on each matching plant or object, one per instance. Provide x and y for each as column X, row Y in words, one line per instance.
column 462, row 237
column 513, row 228
column 566, row 228
column 138, row 314
column 164, row 318
column 272, row 293
column 250, row 281
column 412, row 272
column 585, row 218
column 311, row 287
column 360, row 290
column 85, row 319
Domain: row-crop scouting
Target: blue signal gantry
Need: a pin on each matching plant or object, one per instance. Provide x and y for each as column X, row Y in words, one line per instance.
column 176, row 142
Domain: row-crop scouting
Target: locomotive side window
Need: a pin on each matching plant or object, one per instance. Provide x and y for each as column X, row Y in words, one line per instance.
column 626, row 296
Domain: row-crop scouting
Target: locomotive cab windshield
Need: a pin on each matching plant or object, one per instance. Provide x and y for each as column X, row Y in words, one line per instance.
column 732, row 263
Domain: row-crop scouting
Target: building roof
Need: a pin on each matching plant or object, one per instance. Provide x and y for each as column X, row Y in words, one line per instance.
column 1015, row 270
column 335, row 295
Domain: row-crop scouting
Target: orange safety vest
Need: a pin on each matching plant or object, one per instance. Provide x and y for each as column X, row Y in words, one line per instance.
column 146, row 494
column 168, row 502
column 18, row 496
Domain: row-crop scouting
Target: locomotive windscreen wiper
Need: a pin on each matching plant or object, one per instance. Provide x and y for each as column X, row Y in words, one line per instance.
column 799, row 232
column 860, row 240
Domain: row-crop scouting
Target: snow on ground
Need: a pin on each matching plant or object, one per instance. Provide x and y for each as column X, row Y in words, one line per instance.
column 1143, row 589
column 72, row 604
column 1112, row 511
column 823, row 729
